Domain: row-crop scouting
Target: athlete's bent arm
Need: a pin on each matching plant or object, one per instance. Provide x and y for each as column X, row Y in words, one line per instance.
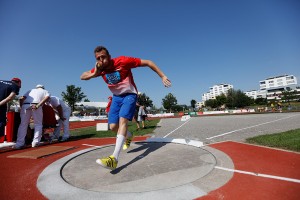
column 88, row 74
column 154, row 67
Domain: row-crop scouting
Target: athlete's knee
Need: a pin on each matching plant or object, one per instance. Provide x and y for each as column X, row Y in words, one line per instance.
column 114, row 127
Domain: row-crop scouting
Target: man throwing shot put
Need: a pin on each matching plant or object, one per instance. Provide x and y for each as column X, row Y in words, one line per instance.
column 116, row 72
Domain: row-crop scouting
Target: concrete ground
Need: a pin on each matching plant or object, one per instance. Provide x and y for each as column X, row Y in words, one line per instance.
column 147, row 170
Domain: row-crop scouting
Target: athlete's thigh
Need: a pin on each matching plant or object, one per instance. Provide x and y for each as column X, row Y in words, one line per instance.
column 128, row 106
column 113, row 115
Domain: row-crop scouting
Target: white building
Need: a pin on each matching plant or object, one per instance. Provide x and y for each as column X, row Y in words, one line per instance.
column 277, row 82
column 216, row 90
column 256, row 94
column 100, row 106
column 92, row 104
column 199, row 104
column 272, row 87
column 252, row 94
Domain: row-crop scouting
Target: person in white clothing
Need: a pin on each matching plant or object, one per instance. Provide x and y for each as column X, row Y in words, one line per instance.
column 31, row 106
column 142, row 116
column 63, row 111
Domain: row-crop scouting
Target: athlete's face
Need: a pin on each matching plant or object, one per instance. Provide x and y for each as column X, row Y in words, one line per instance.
column 102, row 58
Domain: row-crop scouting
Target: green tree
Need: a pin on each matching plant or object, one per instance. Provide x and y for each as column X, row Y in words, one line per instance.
column 242, row 100
column 73, row 95
column 230, row 98
column 288, row 96
column 193, row 104
column 178, row 108
column 218, row 102
column 86, row 100
column 211, row 103
column 221, row 100
column 261, row 101
column 169, row 102
column 237, row 98
column 144, row 100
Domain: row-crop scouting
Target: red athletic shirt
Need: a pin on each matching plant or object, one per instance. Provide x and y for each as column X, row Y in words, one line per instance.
column 119, row 77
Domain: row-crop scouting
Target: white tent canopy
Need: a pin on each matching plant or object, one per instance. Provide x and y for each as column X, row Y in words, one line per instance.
column 92, row 104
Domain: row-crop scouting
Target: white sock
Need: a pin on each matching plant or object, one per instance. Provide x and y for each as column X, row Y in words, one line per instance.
column 128, row 134
column 119, row 144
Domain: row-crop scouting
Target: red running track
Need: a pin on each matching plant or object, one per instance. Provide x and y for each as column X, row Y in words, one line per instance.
column 18, row 177
column 260, row 160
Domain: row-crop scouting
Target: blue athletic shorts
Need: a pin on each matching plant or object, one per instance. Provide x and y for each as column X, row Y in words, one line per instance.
column 122, row 106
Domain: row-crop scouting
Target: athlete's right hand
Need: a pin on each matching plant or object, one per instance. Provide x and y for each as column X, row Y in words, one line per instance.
column 99, row 65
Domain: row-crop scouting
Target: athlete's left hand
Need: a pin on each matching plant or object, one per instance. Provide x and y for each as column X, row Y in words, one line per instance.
column 166, row 81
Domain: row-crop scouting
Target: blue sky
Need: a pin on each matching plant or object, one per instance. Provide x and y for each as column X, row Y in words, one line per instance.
column 196, row 43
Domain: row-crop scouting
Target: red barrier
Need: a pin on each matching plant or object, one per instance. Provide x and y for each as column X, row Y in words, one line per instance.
column 11, row 129
column 49, row 119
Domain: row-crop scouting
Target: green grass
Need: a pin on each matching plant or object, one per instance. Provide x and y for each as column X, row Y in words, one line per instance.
column 289, row 140
column 91, row 132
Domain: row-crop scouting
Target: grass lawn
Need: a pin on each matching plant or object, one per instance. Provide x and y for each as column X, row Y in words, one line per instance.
column 289, row 140
column 91, row 132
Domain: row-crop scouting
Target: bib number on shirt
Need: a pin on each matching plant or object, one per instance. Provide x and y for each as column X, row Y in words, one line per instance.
column 113, row 78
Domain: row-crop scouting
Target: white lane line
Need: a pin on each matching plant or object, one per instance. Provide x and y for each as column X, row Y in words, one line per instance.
column 194, row 143
column 260, row 175
column 249, row 127
column 177, row 128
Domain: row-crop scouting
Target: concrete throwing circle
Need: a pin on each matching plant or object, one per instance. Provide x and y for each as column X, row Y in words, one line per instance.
column 144, row 167
column 148, row 170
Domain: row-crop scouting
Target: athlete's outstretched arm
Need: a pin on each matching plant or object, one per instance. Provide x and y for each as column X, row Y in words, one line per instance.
column 154, row 67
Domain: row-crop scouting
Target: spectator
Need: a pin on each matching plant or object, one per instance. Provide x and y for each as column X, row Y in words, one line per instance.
column 8, row 91
column 142, row 116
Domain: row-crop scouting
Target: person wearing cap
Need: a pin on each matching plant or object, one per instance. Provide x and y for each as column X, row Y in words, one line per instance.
column 31, row 106
column 64, row 112
column 8, row 91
